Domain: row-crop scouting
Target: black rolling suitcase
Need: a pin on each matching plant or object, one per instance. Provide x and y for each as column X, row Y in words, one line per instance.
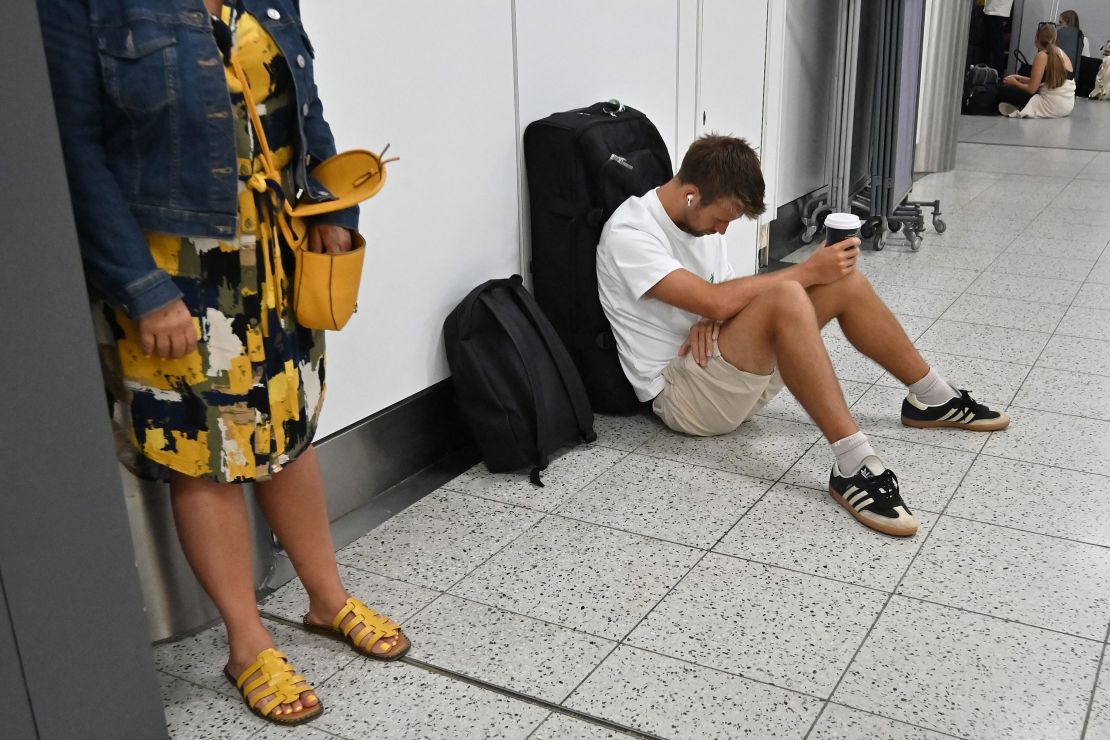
column 582, row 164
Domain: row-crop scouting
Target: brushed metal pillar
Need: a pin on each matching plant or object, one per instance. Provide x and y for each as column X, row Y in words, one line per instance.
column 947, row 24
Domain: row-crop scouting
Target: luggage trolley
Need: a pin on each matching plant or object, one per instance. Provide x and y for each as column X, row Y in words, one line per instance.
column 872, row 131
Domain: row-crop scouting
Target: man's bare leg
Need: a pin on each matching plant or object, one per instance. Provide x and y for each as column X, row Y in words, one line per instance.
column 869, row 325
column 779, row 328
column 874, row 330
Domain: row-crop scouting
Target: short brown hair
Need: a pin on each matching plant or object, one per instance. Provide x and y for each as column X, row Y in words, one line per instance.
column 725, row 167
column 1070, row 18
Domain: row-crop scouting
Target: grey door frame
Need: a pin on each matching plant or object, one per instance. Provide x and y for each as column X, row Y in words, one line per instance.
column 75, row 660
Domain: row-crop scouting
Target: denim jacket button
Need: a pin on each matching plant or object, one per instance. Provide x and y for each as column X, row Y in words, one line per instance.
column 300, row 61
column 274, row 15
column 304, row 109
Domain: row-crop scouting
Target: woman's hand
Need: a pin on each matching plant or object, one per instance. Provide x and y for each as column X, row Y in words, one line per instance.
column 1009, row 80
column 833, row 261
column 703, row 335
column 329, row 238
column 169, row 332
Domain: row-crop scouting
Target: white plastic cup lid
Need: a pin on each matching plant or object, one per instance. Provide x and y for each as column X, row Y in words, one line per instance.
column 845, row 221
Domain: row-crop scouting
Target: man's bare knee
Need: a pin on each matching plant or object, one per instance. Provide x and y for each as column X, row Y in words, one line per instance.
column 791, row 304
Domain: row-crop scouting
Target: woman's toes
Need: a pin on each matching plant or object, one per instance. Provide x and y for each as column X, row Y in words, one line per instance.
column 309, row 699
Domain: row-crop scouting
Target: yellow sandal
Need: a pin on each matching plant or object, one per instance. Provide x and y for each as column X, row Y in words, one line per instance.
column 378, row 626
column 280, row 681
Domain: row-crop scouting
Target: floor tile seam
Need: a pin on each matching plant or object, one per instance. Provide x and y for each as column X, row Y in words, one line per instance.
column 528, row 529
column 1094, row 689
column 760, row 478
column 1071, row 540
column 899, row 721
column 879, row 435
column 1083, row 372
column 1040, row 354
column 1044, row 464
column 999, row 618
column 1095, row 152
column 428, row 665
column 890, row 596
column 726, row 672
column 557, row 511
column 567, row 517
column 497, row 552
column 1012, row 405
column 533, row 700
column 195, row 684
column 972, row 323
column 800, row 572
column 368, row 571
column 640, row 621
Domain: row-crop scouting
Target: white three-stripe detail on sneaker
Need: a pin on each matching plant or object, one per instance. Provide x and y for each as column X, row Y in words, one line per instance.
column 860, row 505
column 948, row 415
column 854, row 493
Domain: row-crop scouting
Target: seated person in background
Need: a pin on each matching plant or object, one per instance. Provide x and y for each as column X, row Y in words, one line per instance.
column 1071, row 18
column 710, row 350
column 1048, row 91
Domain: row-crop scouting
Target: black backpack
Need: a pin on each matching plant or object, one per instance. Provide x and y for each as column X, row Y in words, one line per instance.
column 514, row 381
column 582, row 165
column 981, row 88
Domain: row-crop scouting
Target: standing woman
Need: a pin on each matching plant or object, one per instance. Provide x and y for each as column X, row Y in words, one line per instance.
column 212, row 381
column 1048, row 91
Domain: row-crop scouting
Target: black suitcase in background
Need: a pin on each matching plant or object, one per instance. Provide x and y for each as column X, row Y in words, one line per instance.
column 583, row 164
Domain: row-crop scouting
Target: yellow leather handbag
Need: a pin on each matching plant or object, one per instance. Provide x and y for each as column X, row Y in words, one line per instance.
column 325, row 286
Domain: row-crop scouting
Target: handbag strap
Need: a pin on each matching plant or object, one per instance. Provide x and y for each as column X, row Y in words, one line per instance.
column 267, row 184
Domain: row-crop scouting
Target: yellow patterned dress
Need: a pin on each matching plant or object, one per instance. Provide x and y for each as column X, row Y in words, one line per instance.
column 246, row 402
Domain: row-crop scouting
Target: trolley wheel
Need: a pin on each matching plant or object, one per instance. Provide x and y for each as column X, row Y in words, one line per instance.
column 866, row 230
column 894, row 225
column 939, row 225
column 809, row 233
column 914, row 239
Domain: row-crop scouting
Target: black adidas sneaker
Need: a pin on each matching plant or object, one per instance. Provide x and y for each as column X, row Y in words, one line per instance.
column 872, row 497
column 963, row 412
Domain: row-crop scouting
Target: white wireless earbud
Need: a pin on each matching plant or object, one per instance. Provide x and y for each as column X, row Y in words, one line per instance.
column 689, row 199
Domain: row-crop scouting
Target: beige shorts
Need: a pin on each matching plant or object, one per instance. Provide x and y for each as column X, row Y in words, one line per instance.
column 711, row 400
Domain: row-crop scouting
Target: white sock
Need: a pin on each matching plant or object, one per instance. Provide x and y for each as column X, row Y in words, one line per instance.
column 851, row 452
column 933, row 390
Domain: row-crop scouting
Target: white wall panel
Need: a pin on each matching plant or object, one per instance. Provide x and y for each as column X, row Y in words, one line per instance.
column 576, row 52
column 731, row 53
column 730, row 68
column 807, row 76
column 439, row 87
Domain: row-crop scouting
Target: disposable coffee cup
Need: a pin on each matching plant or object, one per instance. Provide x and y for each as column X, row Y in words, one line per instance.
column 841, row 226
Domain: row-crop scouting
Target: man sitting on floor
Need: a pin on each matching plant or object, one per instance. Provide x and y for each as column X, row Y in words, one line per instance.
column 710, row 350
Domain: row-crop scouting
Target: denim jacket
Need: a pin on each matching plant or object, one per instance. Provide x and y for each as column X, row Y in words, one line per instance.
column 147, row 130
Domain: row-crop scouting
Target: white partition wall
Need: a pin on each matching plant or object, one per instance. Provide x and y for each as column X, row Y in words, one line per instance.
column 730, row 83
column 438, row 86
column 451, row 86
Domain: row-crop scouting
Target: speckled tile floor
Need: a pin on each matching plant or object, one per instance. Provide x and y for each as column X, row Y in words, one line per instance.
column 680, row 588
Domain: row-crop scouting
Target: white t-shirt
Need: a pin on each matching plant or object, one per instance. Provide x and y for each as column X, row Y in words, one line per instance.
column 998, row 7
column 640, row 246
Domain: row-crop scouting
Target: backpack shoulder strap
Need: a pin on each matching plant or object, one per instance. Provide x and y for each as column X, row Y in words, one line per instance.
column 542, row 421
column 583, row 414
